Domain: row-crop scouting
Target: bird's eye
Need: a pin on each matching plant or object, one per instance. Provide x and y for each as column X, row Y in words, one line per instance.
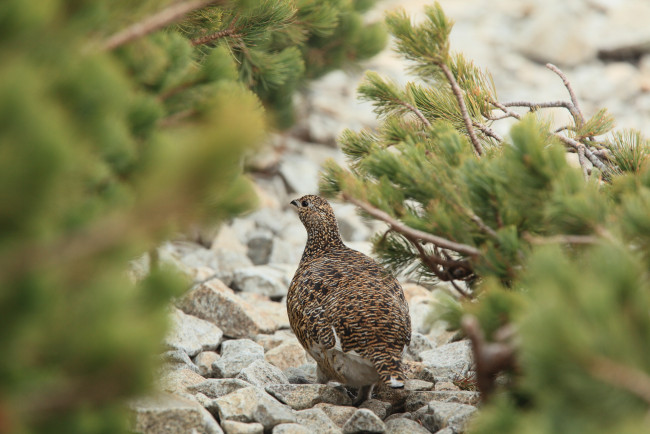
column 305, row 203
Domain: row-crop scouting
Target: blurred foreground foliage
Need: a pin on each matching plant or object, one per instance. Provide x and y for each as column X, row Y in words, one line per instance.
column 549, row 261
column 110, row 141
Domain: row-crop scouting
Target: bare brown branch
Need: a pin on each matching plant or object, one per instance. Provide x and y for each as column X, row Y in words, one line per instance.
column 417, row 112
column 400, row 227
column 583, row 162
column 489, row 132
column 463, row 108
column 490, row 357
column 574, row 100
column 154, row 22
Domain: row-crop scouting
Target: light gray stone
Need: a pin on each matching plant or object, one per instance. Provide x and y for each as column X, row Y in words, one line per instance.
column 172, row 414
column 233, row 427
column 289, row 354
column 298, row 376
column 204, row 361
column 401, row 425
column 237, row 354
column 419, row 343
column 228, row 261
column 271, row 341
column 215, row 302
column 290, row 428
column 261, row 279
column 178, row 381
column 260, row 244
column 215, row 388
column 273, row 311
column 302, row 396
column 262, row 373
column 252, row 404
column 339, row 414
column 450, row 359
column 178, row 359
column 417, row 400
column 191, row 334
column 438, row 415
column 364, row 421
column 300, row 174
column 380, row 408
column 317, row 421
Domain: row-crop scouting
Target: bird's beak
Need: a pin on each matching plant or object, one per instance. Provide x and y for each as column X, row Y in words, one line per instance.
column 295, row 203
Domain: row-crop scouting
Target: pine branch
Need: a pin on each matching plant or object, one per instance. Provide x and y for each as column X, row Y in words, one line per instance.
column 533, row 106
column 230, row 31
column 407, row 231
column 154, row 22
column 416, row 111
column 463, row 108
column 574, row 99
column 490, row 357
column 583, row 162
column 489, row 132
column 623, row 376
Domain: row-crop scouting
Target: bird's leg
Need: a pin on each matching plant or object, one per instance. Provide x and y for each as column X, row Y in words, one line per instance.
column 364, row 394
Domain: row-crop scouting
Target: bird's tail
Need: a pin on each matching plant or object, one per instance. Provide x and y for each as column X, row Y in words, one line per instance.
column 391, row 373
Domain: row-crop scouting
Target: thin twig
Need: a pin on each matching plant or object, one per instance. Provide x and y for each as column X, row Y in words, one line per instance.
column 568, row 86
column 481, row 224
column 506, row 110
column 561, row 239
column 623, row 376
column 463, row 108
column 230, row 31
column 406, row 230
column 583, row 162
column 154, row 22
column 417, row 112
column 488, row 132
column 533, row 106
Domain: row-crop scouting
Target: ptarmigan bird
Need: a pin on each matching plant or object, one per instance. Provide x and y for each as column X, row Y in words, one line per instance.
column 347, row 311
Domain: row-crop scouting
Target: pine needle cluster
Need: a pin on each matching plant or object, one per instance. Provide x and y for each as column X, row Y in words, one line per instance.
column 549, row 260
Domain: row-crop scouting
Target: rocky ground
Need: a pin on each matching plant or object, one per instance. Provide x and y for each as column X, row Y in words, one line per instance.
column 233, row 364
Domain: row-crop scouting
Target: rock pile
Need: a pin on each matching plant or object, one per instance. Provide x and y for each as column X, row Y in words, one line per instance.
column 233, row 365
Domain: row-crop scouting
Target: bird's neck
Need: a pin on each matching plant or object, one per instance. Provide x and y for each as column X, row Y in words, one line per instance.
column 320, row 241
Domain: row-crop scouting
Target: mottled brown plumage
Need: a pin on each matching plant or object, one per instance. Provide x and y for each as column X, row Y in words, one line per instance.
column 347, row 311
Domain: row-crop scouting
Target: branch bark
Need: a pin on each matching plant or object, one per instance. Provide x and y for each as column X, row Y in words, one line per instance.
column 463, row 108
column 626, row 377
column 400, row 227
column 574, row 99
column 154, row 22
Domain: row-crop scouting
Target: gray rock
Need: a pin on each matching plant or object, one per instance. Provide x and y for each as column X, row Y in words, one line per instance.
column 262, row 373
column 178, row 359
column 233, row 427
column 364, row 421
column 417, row 400
column 278, row 338
column 438, row 415
column 298, row 376
column 290, row 428
column 260, row 244
column 419, row 344
column 204, row 361
column 215, row 302
column 300, row 174
column 380, row 408
column 273, row 311
column 261, row 279
column 449, row 360
column 252, row 404
column 339, row 414
column 215, row 388
column 302, row 396
column 191, row 334
column 172, row 414
column 236, row 355
column 317, row 421
column 179, row 380
column 228, row 261
column 401, row 425
column 287, row 355
column 285, row 252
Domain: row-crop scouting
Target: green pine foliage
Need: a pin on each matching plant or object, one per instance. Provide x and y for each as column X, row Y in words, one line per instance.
column 556, row 253
column 277, row 44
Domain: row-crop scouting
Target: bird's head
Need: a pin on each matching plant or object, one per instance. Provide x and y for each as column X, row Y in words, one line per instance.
column 315, row 213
